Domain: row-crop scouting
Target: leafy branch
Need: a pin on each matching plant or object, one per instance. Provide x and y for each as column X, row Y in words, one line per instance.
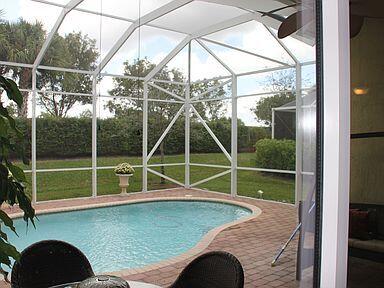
column 12, row 177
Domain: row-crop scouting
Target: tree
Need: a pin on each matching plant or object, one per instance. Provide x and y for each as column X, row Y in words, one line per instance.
column 210, row 110
column 135, row 89
column 279, row 81
column 20, row 42
column 77, row 51
column 86, row 114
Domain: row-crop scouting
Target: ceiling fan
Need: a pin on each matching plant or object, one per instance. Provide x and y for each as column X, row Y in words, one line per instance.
column 359, row 9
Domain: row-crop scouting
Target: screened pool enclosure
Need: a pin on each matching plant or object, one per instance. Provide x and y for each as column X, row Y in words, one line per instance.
column 167, row 70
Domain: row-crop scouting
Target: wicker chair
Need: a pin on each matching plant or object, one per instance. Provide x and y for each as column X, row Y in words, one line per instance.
column 49, row 263
column 212, row 270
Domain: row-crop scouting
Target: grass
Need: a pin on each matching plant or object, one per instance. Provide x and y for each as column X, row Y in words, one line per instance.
column 71, row 184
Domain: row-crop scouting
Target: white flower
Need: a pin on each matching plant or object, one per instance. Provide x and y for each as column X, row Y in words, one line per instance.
column 124, row 168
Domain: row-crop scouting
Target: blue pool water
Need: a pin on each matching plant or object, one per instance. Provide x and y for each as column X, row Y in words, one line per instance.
column 128, row 236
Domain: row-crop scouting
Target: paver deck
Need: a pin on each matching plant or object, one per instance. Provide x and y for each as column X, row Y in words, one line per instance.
column 254, row 242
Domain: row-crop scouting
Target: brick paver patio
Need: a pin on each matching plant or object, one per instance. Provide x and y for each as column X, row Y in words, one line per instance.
column 254, row 242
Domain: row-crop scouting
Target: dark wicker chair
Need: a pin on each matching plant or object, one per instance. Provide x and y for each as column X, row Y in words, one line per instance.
column 212, row 270
column 49, row 263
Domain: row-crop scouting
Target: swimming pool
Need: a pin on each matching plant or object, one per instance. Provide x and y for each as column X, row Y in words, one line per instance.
column 130, row 236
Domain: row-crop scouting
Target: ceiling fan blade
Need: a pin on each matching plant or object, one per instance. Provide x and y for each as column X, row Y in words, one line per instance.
column 295, row 22
column 355, row 24
column 273, row 16
column 282, row 8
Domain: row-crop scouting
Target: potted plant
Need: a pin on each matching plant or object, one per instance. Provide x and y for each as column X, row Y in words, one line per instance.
column 124, row 171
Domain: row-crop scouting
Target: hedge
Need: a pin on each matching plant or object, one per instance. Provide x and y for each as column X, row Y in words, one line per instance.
column 72, row 137
column 275, row 154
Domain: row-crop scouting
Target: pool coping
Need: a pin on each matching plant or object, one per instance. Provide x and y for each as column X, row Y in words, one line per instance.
column 198, row 248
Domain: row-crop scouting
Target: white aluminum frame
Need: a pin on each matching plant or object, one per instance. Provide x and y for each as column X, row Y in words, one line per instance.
column 336, row 114
column 186, row 100
column 187, row 129
column 336, row 144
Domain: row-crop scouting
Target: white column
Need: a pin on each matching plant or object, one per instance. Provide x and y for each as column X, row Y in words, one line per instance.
column 145, row 138
column 33, row 140
column 94, row 137
column 273, row 123
column 234, row 138
column 336, row 138
column 188, row 122
column 299, row 139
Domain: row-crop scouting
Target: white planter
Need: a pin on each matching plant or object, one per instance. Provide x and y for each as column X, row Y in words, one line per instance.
column 124, row 182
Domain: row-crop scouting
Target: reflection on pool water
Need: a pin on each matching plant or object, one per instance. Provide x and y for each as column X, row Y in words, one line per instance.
column 134, row 235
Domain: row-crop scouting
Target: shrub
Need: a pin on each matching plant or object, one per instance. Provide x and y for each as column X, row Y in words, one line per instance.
column 275, row 154
column 72, row 137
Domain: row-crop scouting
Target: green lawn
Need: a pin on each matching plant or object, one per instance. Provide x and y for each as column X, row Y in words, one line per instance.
column 59, row 185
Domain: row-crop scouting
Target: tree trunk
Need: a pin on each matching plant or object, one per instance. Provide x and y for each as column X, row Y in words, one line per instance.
column 162, row 180
column 23, row 111
column 24, row 83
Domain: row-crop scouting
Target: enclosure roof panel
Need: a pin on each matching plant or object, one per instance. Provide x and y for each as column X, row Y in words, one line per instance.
column 197, row 15
column 289, row 104
column 253, row 5
column 131, row 9
column 115, row 26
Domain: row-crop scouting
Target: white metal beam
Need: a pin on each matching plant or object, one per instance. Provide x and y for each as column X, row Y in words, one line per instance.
column 68, row 8
column 221, row 174
column 267, row 170
column 33, row 150
column 165, row 177
column 265, row 70
column 287, row 109
column 187, row 144
column 197, row 97
column 145, row 138
column 168, row 58
column 172, row 164
column 24, row 65
column 60, row 69
column 212, row 134
column 206, row 48
column 94, row 137
column 211, row 165
column 336, row 147
column 166, row 91
column 245, row 51
column 266, row 93
column 299, row 137
column 166, row 164
column 234, row 138
column 281, row 43
column 153, row 15
column 255, row 95
column 211, row 79
column 273, row 123
column 165, row 132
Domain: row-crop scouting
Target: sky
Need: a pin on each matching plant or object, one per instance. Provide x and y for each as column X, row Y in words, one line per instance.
column 155, row 43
